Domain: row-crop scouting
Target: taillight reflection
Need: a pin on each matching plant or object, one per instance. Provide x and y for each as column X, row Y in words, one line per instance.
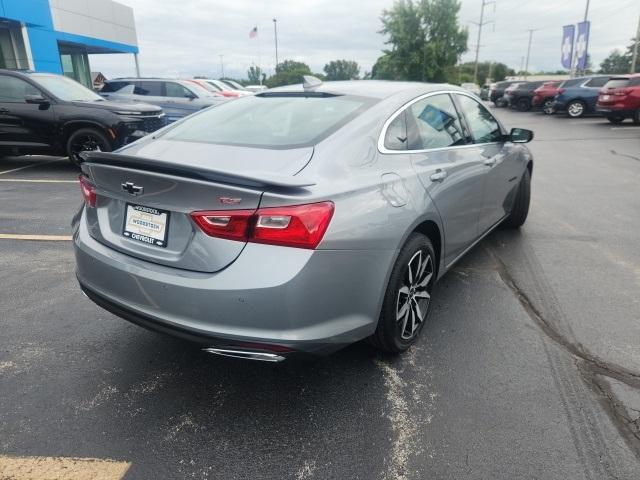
column 300, row 226
column 88, row 191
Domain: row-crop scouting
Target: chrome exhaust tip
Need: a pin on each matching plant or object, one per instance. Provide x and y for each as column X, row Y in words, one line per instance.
column 245, row 354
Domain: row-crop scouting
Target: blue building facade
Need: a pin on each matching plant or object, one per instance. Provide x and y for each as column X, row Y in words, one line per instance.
column 58, row 35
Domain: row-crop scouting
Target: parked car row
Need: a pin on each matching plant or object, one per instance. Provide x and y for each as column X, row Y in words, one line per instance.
column 44, row 113
column 614, row 97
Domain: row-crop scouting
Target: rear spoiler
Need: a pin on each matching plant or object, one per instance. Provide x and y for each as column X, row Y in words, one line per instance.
column 260, row 180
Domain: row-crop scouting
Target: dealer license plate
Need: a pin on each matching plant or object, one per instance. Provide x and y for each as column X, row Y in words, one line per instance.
column 146, row 224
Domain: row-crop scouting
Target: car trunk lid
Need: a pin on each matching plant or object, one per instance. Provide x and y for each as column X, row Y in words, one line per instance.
column 143, row 204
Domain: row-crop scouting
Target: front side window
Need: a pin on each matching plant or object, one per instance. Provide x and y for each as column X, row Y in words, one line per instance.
column 14, row 90
column 433, row 123
column 110, row 87
column 483, row 126
column 178, row 91
column 270, row 121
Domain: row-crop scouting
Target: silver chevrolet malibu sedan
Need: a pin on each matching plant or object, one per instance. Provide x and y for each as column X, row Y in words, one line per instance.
column 301, row 219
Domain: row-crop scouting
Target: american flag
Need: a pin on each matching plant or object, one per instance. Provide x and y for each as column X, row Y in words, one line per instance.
column 253, row 33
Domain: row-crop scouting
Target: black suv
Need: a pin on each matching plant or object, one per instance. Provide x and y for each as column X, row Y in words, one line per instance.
column 497, row 91
column 520, row 95
column 44, row 113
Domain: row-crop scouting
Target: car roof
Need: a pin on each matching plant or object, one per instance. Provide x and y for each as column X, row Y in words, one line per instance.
column 379, row 89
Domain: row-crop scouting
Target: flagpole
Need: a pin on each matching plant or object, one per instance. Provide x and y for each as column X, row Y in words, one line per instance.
column 259, row 57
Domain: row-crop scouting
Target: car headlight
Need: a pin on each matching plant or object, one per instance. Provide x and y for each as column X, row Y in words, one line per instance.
column 125, row 112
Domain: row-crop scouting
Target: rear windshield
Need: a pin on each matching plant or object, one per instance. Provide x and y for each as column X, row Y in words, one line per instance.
column 617, row 83
column 283, row 121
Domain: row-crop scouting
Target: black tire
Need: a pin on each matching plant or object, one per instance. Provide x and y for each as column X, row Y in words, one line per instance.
column 547, row 106
column 86, row 139
column 576, row 109
column 523, row 104
column 616, row 120
column 396, row 335
column 636, row 117
column 518, row 215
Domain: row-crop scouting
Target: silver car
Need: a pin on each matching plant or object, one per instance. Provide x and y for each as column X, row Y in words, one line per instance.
column 301, row 219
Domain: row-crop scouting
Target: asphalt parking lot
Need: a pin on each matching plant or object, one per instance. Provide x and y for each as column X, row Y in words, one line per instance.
column 529, row 367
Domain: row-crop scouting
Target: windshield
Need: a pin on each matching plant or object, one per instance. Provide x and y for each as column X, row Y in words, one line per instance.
column 66, row 89
column 284, row 121
column 199, row 90
column 235, row 84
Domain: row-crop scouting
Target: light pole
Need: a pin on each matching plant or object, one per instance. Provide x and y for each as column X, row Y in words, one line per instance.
column 222, row 65
column 634, row 61
column 526, row 67
column 480, row 24
column 275, row 34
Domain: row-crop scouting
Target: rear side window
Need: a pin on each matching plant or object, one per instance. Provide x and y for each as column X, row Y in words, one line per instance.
column 572, row 83
column 271, row 121
column 396, row 136
column 113, row 86
column 177, row 91
column 597, row 82
column 433, row 123
column 617, row 83
column 14, row 90
column 484, row 127
column 151, row 89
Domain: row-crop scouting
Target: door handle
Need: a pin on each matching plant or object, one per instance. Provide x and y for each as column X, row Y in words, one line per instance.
column 490, row 162
column 438, row 176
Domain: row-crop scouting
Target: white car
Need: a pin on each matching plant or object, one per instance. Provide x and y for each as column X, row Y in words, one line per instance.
column 255, row 88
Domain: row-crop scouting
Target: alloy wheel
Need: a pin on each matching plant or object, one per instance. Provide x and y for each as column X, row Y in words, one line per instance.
column 414, row 294
column 576, row 109
column 547, row 107
column 86, row 143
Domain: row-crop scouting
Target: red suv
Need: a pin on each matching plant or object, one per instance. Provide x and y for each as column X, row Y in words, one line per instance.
column 543, row 96
column 620, row 99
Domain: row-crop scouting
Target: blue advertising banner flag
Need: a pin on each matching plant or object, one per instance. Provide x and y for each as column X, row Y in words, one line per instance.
column 582, row 45
column 568, row 32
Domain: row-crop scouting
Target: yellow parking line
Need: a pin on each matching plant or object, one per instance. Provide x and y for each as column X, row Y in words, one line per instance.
column 61, row 468
column 45, row 238
column 29, row 180
column 31, row 165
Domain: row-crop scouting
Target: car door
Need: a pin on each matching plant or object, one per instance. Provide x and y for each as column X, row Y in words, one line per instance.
column 24, row 124
column 180, row 98
column 591, row 91
column 502, row 166
column 448, row 168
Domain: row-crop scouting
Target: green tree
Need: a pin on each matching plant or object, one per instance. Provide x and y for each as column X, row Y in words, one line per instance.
column 425, row 40
column 616, row 62
column 288, row 72
column 495, row 71
column 254, row 73
column 342, row 70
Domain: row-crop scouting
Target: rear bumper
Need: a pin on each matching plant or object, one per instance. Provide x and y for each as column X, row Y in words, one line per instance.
column 313, row 302
column 613, row 111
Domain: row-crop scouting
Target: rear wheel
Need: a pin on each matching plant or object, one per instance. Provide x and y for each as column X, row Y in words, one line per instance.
column 408, row 296
column 523, row 105
column 86, row 139
column 576, row 109
column 518, row 215
column 616, row 120
column 547, row 106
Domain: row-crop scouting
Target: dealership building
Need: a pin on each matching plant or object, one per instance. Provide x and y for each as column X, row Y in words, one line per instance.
column 58, row 35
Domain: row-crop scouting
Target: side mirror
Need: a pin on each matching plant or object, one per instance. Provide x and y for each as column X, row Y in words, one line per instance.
column 191, row 96
column 37, row 99
column 520, row 135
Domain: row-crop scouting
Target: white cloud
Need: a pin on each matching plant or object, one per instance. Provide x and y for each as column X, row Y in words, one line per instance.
column 186, row 37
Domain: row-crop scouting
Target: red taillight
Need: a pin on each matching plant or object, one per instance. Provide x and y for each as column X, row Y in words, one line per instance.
column 88, row 191
column 229, row 224
column 230, row 94
column 300, row 226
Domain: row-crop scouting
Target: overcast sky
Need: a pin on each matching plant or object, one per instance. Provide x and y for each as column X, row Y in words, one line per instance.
column 186, row 37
